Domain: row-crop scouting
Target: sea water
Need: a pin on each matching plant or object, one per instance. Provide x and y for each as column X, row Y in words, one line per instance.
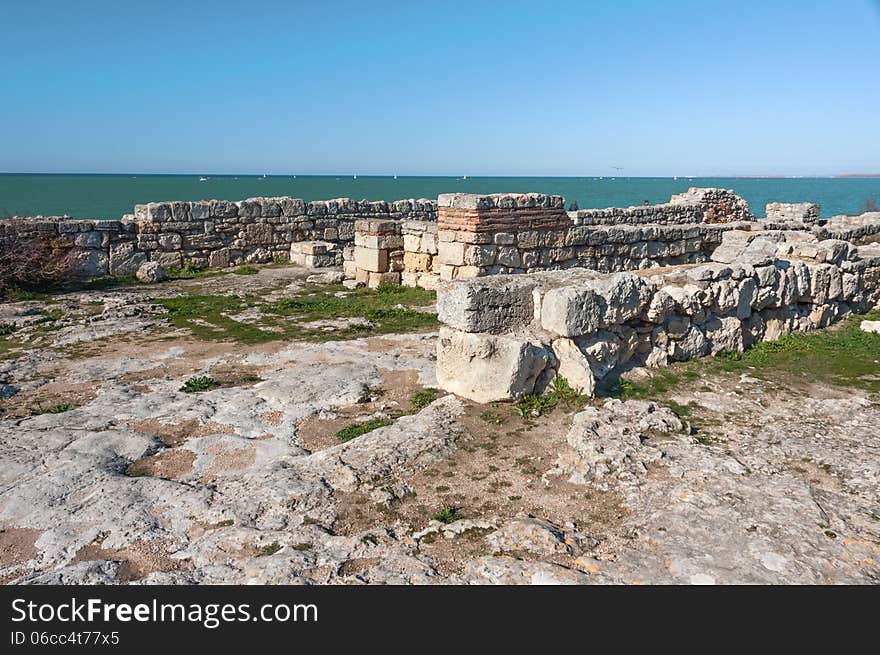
column 111, row 196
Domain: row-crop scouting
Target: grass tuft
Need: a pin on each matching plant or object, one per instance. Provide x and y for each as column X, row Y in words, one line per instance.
column 446, row 515
column 357, row 429
column 197, row 384
column 54, row 409
column 422, row 398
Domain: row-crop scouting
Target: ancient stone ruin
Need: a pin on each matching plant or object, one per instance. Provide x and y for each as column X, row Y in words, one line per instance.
column 525, row 289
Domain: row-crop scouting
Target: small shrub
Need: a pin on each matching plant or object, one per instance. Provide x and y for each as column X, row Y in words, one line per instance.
column 54, row 409
column 302, row 546
column 189, row 271
column 535, row 406
column 446, row 515
column 197, row 384
column 681, row 411
column 357, row 429
column 422, row 398
column 28, row 262
column 492, row 417
column 7, row 328
column 271, row 549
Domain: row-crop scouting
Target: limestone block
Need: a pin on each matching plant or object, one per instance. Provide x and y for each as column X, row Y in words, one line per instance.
column 870, row 326
column 91, row 239
column 451, row 253
column 691, row 345
column 170, row 241
column 167, row 259
column 257, row 234
column 574, row 366
column 85, row 262
column 487, row 368
column 571, row 311
column 200, row 211
column 499, row 304
column 412, row 242
column 409, row 278
column 623, row 297
column 125, row 259
column 602, row 351
column 429, row 243
column 375, row 279
column 219, row 258
column 724, row 334
column 151, row 272
column 416, row 261
column 368, row 259
column 428, row 281
column 480, row 255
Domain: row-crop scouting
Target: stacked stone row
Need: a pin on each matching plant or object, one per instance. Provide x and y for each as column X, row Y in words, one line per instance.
column 505, row 336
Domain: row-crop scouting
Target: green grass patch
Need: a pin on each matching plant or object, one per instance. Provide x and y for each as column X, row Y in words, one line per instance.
column 370, row 311
column 446, row 515
column 422, row 398
column 54, row 409
column 246, row 270
column 206, row 317
column 844, row 356
column 271, row 549
column 662, row 382
column 560, row 391
column 357, row 429
column 197, row 384
column 190, row 271
column 15, row 294
column 385, row 310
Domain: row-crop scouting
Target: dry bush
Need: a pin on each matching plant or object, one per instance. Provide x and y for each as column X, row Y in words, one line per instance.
column 31, row 261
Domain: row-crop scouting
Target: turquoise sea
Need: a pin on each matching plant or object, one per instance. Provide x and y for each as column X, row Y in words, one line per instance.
column 111, row 196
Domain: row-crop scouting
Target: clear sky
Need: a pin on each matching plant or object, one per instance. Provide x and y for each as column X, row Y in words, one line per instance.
column 508, row 88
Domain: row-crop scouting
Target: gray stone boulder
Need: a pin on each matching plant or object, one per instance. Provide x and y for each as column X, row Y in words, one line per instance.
column 151, row 272
column 486, row 368
column 126, row 259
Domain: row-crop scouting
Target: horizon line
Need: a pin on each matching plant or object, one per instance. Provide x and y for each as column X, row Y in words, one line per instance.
column 397, row 175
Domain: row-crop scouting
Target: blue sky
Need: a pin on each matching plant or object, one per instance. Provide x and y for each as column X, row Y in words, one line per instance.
column 477, row 88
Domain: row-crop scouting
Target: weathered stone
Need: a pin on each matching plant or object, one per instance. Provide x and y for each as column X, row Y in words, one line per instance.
column 574, row 366
column 571, row 311
column 151, row 272
column 486, row 368
column 125, row 259
column 486, row 304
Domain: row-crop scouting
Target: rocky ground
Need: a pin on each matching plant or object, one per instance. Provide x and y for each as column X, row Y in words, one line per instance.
column 112, row 473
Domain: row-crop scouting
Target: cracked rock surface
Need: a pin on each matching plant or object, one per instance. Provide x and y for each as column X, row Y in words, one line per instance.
column 140, row 482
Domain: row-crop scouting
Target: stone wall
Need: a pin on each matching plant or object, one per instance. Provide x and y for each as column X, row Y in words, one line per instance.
column 219, row 233
column 696, row 205
column 509, row 335
column 805, row 212
column 858, row 229
column 214, row 233
column 394, row 252
column 507, row 233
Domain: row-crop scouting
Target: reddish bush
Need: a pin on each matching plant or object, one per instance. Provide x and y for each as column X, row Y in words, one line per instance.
column 28, row 261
